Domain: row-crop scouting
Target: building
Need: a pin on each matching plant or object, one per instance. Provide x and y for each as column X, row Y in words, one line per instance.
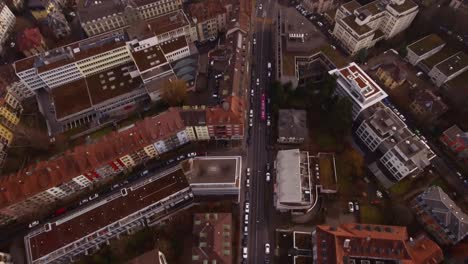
column 424, row 48
column 408, row 157
column 440, row 216
column 151, row 257
column 293, row 187
column 319, row 6
column 7, row 22
column 360, row 27
column 323, row 167
column 455, row 92
column 292, row 126
column 461, row 5
column 144, row 203
column 226, row 122
column 391, row 75
column 449, row 68
column 209, row 18
column 5, row 258
column 456, row 140
column 58, row 23
column 428, row 107
column 195, row 123
column 30, row 42
column 213, row 235
column 354, row 83
column 365, row 243
column 382, row 126
column 14, row 86
column 214, row 175
column 97, row 17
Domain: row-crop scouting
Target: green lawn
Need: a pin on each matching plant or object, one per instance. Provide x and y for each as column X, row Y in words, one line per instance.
column 402, row 187
column 371, row 215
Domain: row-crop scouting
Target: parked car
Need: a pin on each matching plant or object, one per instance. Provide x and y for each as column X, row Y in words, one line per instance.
column 350, row 207
column 258, row 81
column 268, row 177
column 94, row 196
column 267, row 248
column 244, row 252
column 251, row 113
column 33, row 224
column 247, row 207
column 246, row 219
column 356, row 206
column 247, row 182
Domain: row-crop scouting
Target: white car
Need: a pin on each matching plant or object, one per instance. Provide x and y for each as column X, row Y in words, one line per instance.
column 244, row 252
column 246, row 219
column 258, row 81
column 254, row 41
column 351, row 207
column 247, row 183
column 252, row 92
column 247, row 207
column 260, row 6
column 267, row 177
column 356, row 206
column 268, row 122
column 246, row 230
column 250, row 122
column 269, row 65
column 251, row 113
column 33, row 224
column 267, row 248
column 269, row 74
column 248, row 171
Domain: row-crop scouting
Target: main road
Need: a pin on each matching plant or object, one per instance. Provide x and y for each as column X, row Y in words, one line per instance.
column 260, row 196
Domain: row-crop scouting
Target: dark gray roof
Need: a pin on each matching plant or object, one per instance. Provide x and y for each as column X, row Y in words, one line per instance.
column 445, row 211
column 292, row 123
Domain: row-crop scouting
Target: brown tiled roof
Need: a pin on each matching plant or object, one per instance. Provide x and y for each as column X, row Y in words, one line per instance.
column 84, row 158
column 206, row 10
column 89, row 10
column 231, row 112
column 210, row 241
column 173, row 44
column 90, row 221
column 168, row 22
column 70, row 98
column 374, row 241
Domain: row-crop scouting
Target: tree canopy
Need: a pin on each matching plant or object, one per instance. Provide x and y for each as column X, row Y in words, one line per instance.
column 174, row 92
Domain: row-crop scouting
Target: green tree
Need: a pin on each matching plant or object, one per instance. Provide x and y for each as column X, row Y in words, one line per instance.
column 341, row 117
column 326, row 93
column 174, row 92
column 361, row 55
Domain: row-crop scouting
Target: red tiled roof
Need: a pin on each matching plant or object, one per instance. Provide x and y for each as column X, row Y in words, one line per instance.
column 29, row 39
column 231, row 112
column 374, row 241
column 206, row 10
column 41, row 176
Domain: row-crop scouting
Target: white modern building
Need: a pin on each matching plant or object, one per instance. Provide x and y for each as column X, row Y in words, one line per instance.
column 78, row 233
column 293, row 187
column 449, row 68
column 354, row 83
column 424, row 48
column 7, row 22
column 358, row 27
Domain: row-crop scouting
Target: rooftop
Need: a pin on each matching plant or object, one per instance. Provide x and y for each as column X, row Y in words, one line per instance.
column 405, row 6
column 193, row 117
column 371, row 9
column 212, row 170
column 230, row 112
column 149, row 58
column 453, row 64
column 92, row 10
column 430, row 103
column 212, row 241
column 414, row 153
column 456, row 90
column 168, row 22
column 292, row 123
column 350, row 21
column 443, row 54
column 426, row 44
column 150, row 257
column 206, row 10
column 104, row 212
column 76, row 92
column 454, row 132
column 385, row 123
column 173, row 44
column 351, row 5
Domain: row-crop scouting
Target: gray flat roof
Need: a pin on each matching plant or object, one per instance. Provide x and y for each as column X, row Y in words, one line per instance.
column 426, row 44
column 292, row 123
column 212, row 170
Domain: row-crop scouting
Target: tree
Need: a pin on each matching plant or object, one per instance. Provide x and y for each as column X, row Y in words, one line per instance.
column 174, row 92
column 361, row 56
column 327, row 92
column 341, row 114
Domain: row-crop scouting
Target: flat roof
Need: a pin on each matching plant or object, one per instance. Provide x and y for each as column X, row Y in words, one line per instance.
column 361, row 30
column 104, row 212
column 353, row 73
column 149, row 58
column 70, row 98
column 168, row 22
column 405, row 6
column 426, row 44
column 112, row 83
column 212, row 170
column 292, row 123
column 351, row 5
column 288, row 176
column 173, row 44
column 438, row 57
column 373, row 8
column 453, row 64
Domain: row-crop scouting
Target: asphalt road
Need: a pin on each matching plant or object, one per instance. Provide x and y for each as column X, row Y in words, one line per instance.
column 260, row 191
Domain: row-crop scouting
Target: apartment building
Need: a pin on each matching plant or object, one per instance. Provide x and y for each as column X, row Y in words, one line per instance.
column 383, row 125
column 144, row 203
column 7, row 22
column 408, row 157
column 440, row 216
column 449, row 68
column 354, row 83
column 213, row 235
column 359, row 27
column 209, row 18
column 97, row 17
column 195, row 123
column 226, row 122
column 319, row 6
column 391, row 75
column 424, row 48
column 456, row 140
column 293, row 186
column 365, row 243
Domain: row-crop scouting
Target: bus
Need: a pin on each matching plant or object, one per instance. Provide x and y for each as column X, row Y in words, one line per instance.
column 263, row 115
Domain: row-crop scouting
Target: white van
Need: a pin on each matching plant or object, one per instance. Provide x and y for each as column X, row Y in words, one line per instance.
column 244, row 252
column 246, row 219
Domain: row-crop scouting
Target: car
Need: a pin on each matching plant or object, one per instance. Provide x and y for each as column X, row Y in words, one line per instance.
column 424, row 138
column 379, row 194
column 143, row 173
column 258, row 81
column 250, row 122
column 269, row 74
column 333, row 47
column 268, row 122
column 267, row 248
column 247, row 182
column 115, row 186
column 94, row 196
column 465, row 183
column 269, row 65
column 212, row 39
column 246, row 230
column 85, row 200
column 181, row 157
column 460, row 176
column 60, row 211
column 356, row 206
column 320, row 24
column 252, row 92
column 192, row 154
column 419, row 74
column 350, row 207
column 33, row 224
column 246, row 219
column 254, row 41
column 251, row 113
column 247, row 207
column 260, row 6
column 267, row 176
column 268, row 166
column 244, row 252
column 248, row 171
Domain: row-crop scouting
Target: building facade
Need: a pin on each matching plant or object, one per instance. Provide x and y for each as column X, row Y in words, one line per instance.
column 355, row 84
column 424, row 48
column 209, row 18
column 7, row 22
column 360, row 27
column 449, row 68
column 97, row 17
column 319, row 6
